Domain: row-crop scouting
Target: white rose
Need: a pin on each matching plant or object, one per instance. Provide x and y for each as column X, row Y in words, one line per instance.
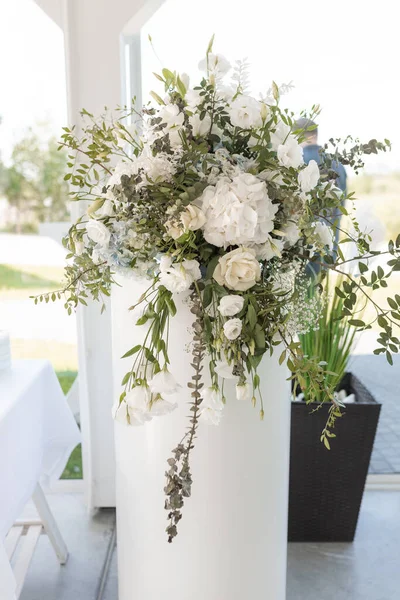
column 192, row 218
column 244, row 391
column 237, row 211
column 290, row 154
column 230, row 305
column 232, row 329
column 245, row 112
column 178, row 277
column 215, row 64
column 324, row 233
column 98, row 232
column 200, row 127
column 309, row 177
column 164, row 382
column 238, row 270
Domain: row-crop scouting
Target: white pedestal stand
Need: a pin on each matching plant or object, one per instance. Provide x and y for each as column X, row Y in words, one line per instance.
column 232, row 540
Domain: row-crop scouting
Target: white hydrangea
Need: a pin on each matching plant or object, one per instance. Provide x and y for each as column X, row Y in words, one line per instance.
column 238, row 212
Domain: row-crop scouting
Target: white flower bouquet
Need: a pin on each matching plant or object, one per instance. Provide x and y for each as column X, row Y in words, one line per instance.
column 206, row 194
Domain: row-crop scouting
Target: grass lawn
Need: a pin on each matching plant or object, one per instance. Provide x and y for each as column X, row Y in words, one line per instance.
column 73, row 469
column 29, row 277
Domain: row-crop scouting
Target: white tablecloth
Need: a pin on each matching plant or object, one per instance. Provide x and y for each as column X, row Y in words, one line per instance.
column 37, row 434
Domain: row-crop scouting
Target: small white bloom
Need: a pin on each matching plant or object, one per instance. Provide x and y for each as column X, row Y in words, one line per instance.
column 244, row 391
column 164, row 382
column 211, row 416
column 245, row 112
column 292, row 233
column 184, row 77
column 171, row 115
column 215, row 64
column 193, row 98
column 224, row 370
column 119, row 412
column 178, row 277
column 309, row 177
column 200, row 127
column 161, row 407
column 324, row 233
column 79, row 247
column 279, row 136
column 233, row 328
column 238, row 270
column 290, row 154
column 173, row 229
column 107, row 209
column 272, row 247
column 212, row 398
column 192, row 218
column 137, row 400
column 98, row 232
column 230, row 305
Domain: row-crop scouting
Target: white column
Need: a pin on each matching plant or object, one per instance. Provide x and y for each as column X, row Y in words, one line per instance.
column 232, row 540
column 92, row 34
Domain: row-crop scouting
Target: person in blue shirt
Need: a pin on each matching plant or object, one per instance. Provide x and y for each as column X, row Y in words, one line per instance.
column 313, row 151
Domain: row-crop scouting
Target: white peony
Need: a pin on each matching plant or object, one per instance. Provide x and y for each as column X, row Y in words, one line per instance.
column 178, row 277
column 244, row 391
column 237, row 211
column 309, row 177
column 164, row 382
column 238, row 270
column 98, row 232
column 230, row 305
column 192, row 218
column 200, row 127
column 233, row 328
column 245, row 112
column 324, row 233
column 215, row 64
column 290, row 154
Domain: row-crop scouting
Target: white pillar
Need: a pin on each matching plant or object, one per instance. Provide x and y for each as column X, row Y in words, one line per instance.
column 92, row 35
column 232, row 540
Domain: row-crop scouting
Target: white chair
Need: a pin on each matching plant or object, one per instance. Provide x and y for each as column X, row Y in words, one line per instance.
column 24, row 535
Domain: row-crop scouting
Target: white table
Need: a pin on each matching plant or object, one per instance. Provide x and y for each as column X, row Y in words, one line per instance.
column 37, row 435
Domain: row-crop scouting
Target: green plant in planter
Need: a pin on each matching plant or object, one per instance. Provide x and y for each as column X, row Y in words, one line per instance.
column 332, row 340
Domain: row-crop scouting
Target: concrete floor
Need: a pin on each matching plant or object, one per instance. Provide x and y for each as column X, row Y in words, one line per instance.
column 368, row 569
column 383, row 381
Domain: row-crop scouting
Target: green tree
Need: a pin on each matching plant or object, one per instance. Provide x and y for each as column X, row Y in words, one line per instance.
column 34, row 181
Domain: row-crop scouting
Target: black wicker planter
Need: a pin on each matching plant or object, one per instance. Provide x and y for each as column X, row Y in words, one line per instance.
column 326, row 487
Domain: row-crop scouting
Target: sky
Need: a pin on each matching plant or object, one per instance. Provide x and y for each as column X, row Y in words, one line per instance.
column 341, row 55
